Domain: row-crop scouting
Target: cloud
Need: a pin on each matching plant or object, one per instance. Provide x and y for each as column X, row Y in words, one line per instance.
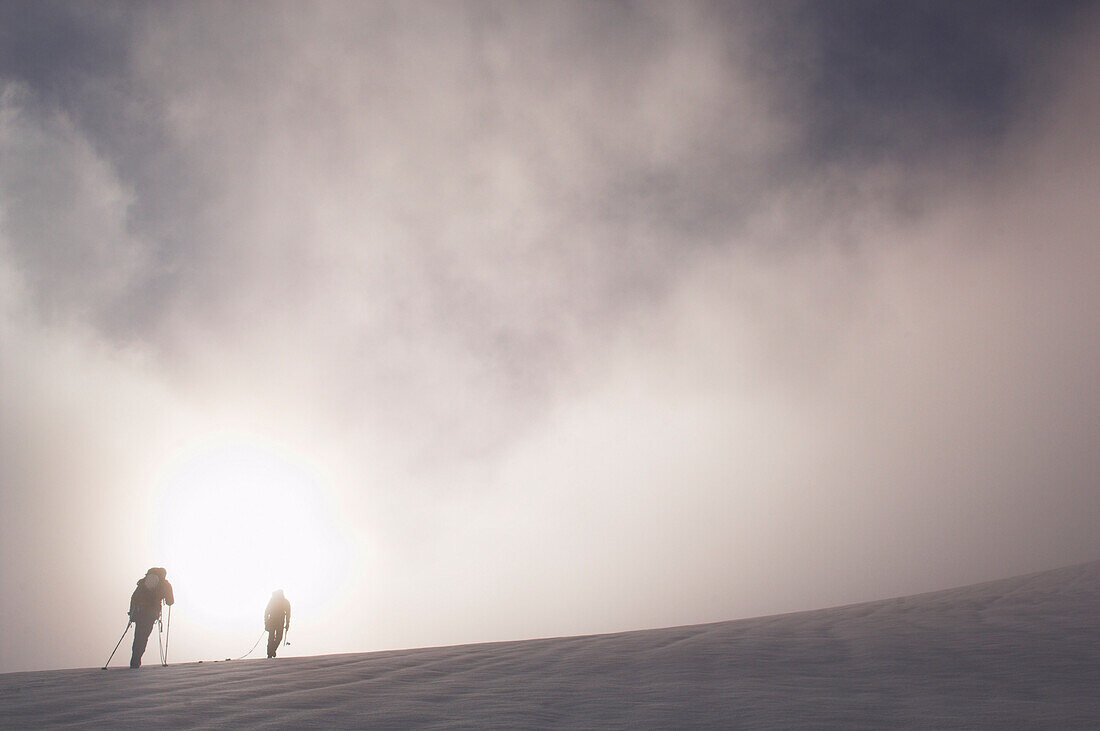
column 444, row 212
column 64, row 214
column 904, row 404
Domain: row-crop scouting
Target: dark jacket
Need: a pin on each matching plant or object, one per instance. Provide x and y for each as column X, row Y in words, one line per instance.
column 277, row 613
column 151, row 590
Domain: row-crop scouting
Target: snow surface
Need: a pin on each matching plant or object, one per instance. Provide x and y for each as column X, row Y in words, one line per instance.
column 1010, row 653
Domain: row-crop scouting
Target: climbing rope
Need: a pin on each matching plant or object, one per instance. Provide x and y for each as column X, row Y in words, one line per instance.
column 242, row 657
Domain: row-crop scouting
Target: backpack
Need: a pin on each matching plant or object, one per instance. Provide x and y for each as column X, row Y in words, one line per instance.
column 149, row 592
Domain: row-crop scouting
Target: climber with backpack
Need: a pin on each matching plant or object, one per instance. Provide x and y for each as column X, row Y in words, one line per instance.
column 276, row 620
column 145, row 603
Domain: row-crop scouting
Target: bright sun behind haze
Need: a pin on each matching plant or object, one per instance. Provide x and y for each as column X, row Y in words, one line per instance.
column 236, row 521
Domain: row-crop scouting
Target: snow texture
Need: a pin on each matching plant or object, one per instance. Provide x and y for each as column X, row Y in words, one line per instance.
column 1021, row 652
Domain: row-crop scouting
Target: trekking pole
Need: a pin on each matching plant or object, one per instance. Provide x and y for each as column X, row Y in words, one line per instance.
column 120, row 639
column 168, row 634
column 160, row 640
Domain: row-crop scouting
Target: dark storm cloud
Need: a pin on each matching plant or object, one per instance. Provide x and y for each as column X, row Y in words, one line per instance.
column 69, row 64
column 912, row 81
column 60, row 47
column 74, row 59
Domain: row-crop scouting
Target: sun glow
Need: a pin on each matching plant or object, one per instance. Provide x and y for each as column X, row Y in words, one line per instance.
column 237, row 520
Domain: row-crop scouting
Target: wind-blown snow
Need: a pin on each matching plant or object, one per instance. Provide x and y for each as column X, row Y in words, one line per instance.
column 1015, row 652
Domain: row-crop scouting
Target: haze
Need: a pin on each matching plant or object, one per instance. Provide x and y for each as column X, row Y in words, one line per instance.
column 486, row 321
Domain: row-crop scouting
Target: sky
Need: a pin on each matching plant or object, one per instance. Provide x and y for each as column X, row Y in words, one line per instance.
column 480, row 321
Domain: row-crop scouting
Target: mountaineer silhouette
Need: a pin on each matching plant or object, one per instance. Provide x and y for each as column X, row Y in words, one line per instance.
column 152, row 589
column 276, row 619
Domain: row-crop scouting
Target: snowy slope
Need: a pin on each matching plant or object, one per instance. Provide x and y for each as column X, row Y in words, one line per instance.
column 1022, row 651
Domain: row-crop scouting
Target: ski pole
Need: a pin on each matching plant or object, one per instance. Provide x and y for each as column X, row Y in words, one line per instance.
column 120, row 639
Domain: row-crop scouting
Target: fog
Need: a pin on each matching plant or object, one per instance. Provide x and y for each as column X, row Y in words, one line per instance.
column 465, row 322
